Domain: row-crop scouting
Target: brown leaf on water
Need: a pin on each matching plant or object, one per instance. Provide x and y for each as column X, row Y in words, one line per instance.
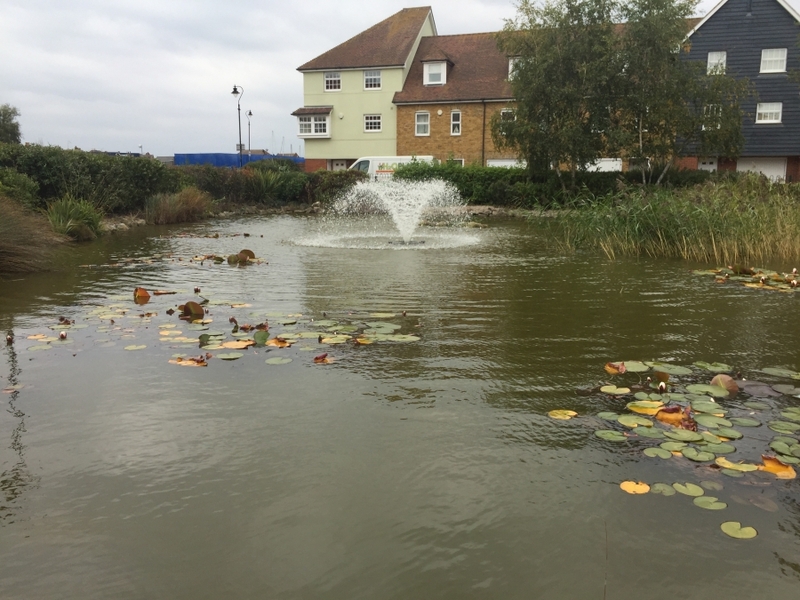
column 323, row 359
column 140, row 292
column 662, row 377
column 163, row 293
column 726, row 382
column 671, row 415
column 239, row 344
column 615, row 368
column 191, row 311
column 191, row 361
column 279, row 342
column 777, row 468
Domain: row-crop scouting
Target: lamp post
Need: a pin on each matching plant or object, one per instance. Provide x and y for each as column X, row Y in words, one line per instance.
column 238, row 92
column 249, row 114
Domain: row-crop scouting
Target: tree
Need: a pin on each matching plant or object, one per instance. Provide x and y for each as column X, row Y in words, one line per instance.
column 9, row 127
column 562, row 79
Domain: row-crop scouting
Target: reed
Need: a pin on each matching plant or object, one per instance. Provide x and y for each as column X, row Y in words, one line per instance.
column 745, row 219
column 190, row 204
column 25, row 238
column 74, row 217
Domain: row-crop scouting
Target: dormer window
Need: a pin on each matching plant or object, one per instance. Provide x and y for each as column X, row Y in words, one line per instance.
column 435, row 73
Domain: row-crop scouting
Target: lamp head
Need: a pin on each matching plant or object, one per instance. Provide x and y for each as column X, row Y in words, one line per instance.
column 235, row 91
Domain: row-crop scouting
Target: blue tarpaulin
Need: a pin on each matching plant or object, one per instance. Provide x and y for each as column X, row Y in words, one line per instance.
column 218, row 159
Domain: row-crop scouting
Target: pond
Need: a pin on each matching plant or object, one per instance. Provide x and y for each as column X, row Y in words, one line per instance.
column 418, row 466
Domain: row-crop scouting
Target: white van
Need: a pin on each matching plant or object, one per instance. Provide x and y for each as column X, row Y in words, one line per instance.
column 382, row 167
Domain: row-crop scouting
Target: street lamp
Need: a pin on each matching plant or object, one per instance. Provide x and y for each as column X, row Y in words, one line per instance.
column 249, row 114
column 238, row 92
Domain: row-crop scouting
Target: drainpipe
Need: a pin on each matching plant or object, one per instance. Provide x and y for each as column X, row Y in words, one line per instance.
column 483, row 136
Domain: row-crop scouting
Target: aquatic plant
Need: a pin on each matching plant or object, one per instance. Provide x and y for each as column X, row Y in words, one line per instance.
column 76, row 218
column 25, row 238
column 190, row 204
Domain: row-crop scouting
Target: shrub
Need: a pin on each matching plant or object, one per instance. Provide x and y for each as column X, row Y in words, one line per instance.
column 326, row 186
column 190, row 204
column 25, row 238
column 77, row 218
column 18, row 187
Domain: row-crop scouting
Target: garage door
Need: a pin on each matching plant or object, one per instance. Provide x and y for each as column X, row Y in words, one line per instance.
column 774, row 168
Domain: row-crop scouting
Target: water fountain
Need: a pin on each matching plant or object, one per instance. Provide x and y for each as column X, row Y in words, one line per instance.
column 373, row 213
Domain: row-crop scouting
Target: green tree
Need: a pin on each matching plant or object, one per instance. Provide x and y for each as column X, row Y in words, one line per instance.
column 564, row 73
column 9, row 127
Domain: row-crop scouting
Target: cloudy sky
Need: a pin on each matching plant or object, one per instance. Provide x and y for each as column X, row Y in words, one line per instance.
column 110, row 75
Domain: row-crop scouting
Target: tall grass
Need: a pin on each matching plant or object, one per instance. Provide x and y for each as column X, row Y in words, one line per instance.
column 77, row 218
column 25, row 238
column 742, row 220
column 190, row 204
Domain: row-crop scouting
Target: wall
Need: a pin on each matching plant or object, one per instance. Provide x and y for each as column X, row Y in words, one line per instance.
column 474, row 144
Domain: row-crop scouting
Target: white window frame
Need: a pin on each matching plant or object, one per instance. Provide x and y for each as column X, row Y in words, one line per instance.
column 426, row 123
column 508, row 111
column 370, row 121
column 456, row 123
column 712, row 112
column 769, row 112
column 332, row 81
column 512, row 61
column 773, row 60
column 372, row 79
column 455, row 161
column 318, row 126
column 307, row 121
column 717, row 62
column 426, row 71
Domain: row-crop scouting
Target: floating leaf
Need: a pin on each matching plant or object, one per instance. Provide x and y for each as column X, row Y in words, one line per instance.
column 278, row 360
column 669, row 369
column 709, row 503
column 783, row 426
column 261, row 337
column 776, row 467
column 562, row 414
column 192, row 310
column 723, row 448
column 634, row 366
column 697, row 455
column 712, row 421
column 732, row 473
column 615, row 368
column 657, row 453
column 791, row 414
column 778, row 372
column 727, row 432
column 40, row 347
column 662, row 488
column 608, row 416
column 673, row 446
column 402, row 338
column 787, row 389
column 634, row 421
column 715, row 367
column 634, row 487
column 711, row 390
column 336, row 339
column 683, row 435
column 726, row 382
column 239, row 344
column 745, row 422
column 756, row 405
column 323, row 359
column 648, row 432
column 711, row 485
column 743, row 467
column 734, row 529
column 610, row 435
column 136, row 347
column 645, row 407
column 614, row 390
column 198, row 361
column 230, row 355
column 688, row 489
column 279, row 342
column 382, row 315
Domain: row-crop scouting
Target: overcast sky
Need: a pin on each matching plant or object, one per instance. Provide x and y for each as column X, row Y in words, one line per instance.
column 111, row 75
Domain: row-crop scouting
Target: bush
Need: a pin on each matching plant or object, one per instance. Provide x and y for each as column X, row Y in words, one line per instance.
column 190, row 204
column 326, row 186
column 25, row 238
column 18, row 187
column 77, row 218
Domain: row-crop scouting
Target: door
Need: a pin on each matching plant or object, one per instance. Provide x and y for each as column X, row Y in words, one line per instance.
column 774, row 168
column 338, row 164
column 707, row 164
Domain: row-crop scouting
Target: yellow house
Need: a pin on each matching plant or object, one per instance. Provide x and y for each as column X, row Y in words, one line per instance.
column 347, row 107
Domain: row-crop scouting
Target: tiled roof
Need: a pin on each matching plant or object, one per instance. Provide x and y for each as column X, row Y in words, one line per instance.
column 478, row 70
column 386, row 44
column 312, row 110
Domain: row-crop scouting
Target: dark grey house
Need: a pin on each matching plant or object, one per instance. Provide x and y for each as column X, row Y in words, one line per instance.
column 757, row 39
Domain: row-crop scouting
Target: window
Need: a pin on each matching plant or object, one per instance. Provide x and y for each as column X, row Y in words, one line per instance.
column 773, row 60
column 717, row 63
column 769, row 112
column 422, row 123
column 455, row 161
column 507, row 115
column 320, row 125
column 372, row 80
column 455, row 122
column 305, row 125
column 333, row 81
column 434, row 73
column 372, row 123
column 313, row 126
column 512, row 63
column 711, row 115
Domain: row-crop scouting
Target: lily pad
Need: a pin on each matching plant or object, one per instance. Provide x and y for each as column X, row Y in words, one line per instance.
column 756, row 405
column 278, row 360
column 562, row 414
column 711, row 390
column 734, row 529
column 634, row 421
column 608, row 416
column 792, row 415
column 261, row 337
column 709, row 503
column 697, row 455
column 745, row 422
column 136, row 347
column 778, row 372
column 784, row 426
column 40, row 347
column 662, row 488
column 648, row 432
column 729, row 433
column 723, row 448
column 645, row 407
column 402, row 338
column 732, row 473
column 230, row 355
column 657, row 453
column 614, row 390
column 683, row 435
column 715, row 367
column 673, row 446
column 634, row 366
column 688, row 489
column 634, row 487
column 708, row 407
column 610, row 435
column 711, row 485
column 787, row 389
column 712, row 421
column 743, row 467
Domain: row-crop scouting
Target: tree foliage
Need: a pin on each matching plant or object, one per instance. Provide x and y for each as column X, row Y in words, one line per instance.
column 9, row 126
column 587, row 87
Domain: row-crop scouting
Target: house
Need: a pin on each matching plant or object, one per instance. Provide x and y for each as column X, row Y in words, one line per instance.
column 756, row 39
column 347, row 107
column 455, row 86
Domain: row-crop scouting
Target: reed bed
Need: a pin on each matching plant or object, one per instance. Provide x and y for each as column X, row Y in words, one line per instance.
column 190, row 204
column 743, row 220
column 25, row 238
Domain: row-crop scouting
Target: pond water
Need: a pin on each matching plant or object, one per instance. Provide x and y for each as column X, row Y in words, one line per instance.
column 403, row 469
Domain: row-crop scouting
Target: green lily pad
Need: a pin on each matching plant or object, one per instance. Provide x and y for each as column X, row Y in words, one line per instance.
column 336, row 339
column 709, row 503
column 688, row 489
column 610, row 435
column 745, row 422
column 608, row 416
column 402, row 338
column 789, row 441
column 712, row 421
column 383, row 325
column 787, row 389
column 698, row 455
column 648, row 432
column 230, row 355
column 40, row 347
column 278, row 360
column 193, row 327
column 670, row 369
column 261, row 337
column 789, row 460
column 710, row 390
column 634, row 421
column 723, row 448
column 778, row 372
column 350, row 329
column 136, row 347
column 715, row 367
column 707, row 407
column 646, row 396
column 662, row 488
column 710, row 438
column 729, row 433
column 711, row 485
column 673, row 446
column 756, row 405
column 786, row 414
column 783, row 426
column 683, row 435
column 734, row 529
column 614, row 390
column 732, row 473
column 657, row 453
column 634, row 366
column 325, row 323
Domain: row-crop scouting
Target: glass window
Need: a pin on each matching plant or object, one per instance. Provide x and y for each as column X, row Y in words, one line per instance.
column 333, row 81
column 512, row 62
column 507, row 115
column 773, row 60
column 423, row 123
column 455, row 122
column 372, row 80
column 305, row 125
column 362, row 165
column 434, row 73
column 372, row 122
column 320, row 125
column 717, row 62
column 769, row 112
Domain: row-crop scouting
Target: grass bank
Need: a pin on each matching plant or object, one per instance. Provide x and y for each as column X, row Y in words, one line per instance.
column 26, row 238
column 747, row 220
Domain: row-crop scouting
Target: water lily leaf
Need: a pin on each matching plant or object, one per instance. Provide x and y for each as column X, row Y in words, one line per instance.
column 732, row 473
column 776, row 467
column 278, row 360
column 657, row 453
column 615, row 368
column 261, row 337
column 727, row 432
column 230, row 355
column 336, row 339
column 745, row 422
column 662, row 488
column 323, row 359
column 279, row 342
column 670, row 369
column 136, row 347
column 170, row 332
column 711, row 485
column 711, row 390
column 645, row 407
column 383, row 325
column 610, row 435
column 712, row 421
column 710, row 438
column 324, row 323
column 197, row 361
column 790, row 414
column 402, row 338
column 778, row 372
column 756, row 405
column 684, row 435
column 787, row 389
column 634, row 421
column 673, row 446
column 239, row 344
column 734, row 529
column 726, row 382
column 614, row 390
column 648, row 432
column 688, row 489
column 743, row 467
column 758, row 389
column 697, row 455
column 193, row 310
column 789, row 441
column 715, row 367
column 783, row 426
column 382, row 315
column 723, row 448
column 709, row 503
column 635, row 366
column 608, row 416
column 561, row 414
column 40, row 347
column 634, row 487
column 363, row 341
column 140, row 293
